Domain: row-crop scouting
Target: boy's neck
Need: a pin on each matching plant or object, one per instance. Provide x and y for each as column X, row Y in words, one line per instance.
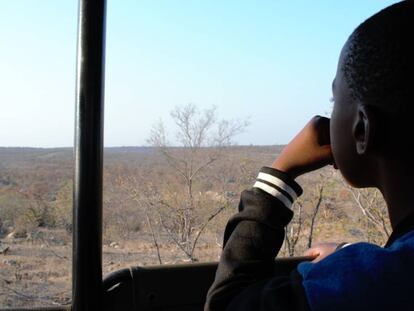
column 396, row 187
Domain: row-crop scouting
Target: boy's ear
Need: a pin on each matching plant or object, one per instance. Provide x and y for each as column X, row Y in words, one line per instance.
column 364, row 129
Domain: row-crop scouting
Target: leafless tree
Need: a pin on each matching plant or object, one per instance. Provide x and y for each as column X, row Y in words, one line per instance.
column 129, row 184
column 319, row 198
column 294, row 229
column 372, row 205
column 302, row 227
column 201, row 140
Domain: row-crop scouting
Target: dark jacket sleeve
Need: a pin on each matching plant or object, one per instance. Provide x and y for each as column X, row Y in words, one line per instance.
column 252, row 239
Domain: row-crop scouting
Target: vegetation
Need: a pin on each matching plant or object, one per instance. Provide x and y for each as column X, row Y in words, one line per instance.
column 144, row 212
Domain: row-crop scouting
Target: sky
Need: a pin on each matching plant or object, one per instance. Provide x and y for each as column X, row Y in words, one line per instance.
column 270, row 61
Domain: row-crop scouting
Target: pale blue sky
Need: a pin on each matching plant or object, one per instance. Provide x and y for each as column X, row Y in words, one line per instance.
column 270, row 60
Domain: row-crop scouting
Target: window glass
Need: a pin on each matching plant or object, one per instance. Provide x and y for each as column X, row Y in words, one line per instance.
column 38, row 63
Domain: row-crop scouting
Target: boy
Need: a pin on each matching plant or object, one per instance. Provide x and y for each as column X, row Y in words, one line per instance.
column 370, row 143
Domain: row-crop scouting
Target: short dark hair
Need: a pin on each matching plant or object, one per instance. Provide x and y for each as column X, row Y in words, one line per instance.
column 378, row 61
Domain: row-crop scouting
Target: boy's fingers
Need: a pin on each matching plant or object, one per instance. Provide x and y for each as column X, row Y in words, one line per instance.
column 311, row 253
column 309, row 150
column 328, row 155
column 322, row 126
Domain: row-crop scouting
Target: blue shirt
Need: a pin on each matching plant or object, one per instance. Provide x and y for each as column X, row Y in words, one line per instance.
column 363, row 276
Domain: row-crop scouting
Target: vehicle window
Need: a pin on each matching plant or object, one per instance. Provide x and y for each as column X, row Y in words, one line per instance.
column 38, row 59
column 199, row 95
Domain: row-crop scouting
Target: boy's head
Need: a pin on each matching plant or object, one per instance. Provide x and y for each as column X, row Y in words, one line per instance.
column 373, row 94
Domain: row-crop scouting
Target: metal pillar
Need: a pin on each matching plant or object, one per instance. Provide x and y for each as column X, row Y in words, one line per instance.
column 87, row 200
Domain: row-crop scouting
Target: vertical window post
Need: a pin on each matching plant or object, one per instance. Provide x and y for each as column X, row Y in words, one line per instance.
column 87, row 200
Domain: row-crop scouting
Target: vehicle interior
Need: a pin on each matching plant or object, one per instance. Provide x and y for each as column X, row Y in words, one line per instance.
column 143, row 288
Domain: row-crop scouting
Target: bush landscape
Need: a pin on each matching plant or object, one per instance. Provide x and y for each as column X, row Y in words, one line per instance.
column 144, row 213
column 163, row 204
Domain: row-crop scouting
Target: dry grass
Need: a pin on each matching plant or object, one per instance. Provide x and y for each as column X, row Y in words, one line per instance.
column 36, row 268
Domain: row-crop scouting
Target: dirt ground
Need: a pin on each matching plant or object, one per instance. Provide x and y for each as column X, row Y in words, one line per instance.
column 36, row 270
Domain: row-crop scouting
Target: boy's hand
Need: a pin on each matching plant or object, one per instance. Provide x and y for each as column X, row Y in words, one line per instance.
column 308, row 151
column 321, row 251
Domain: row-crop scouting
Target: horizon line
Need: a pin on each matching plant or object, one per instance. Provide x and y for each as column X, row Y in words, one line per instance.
column 131, row 146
